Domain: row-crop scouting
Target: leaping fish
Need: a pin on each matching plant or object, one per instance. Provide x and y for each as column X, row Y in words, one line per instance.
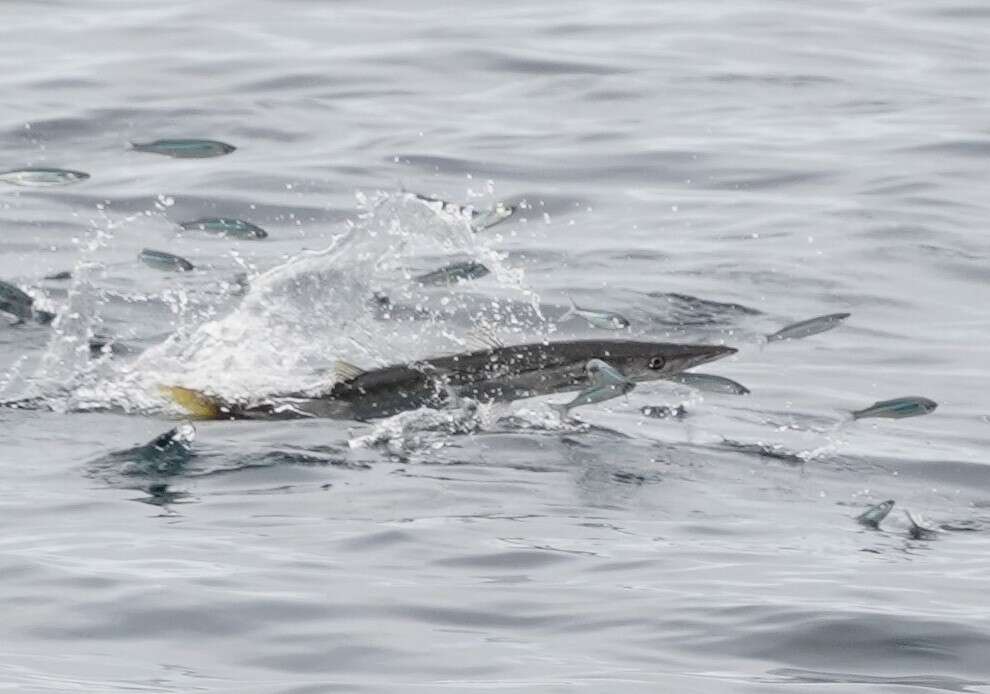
column 874, row 515
column 453, row 273
column 807, row 328
column 160, row 260
column 496, row 373
column 185, row 148
column 226, row 226
column 710, row 383
column 606, row 320
column 898, row 408
column 479, row 219
column 605, row 383
column 39, row 177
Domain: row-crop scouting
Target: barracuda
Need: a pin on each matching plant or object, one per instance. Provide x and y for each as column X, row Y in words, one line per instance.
column 498, row 373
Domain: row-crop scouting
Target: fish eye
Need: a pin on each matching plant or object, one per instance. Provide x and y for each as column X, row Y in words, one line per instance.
column 657, row 363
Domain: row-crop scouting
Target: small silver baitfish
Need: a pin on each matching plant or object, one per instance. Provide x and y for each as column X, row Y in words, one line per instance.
column 606, row 382
column 228, row 226
column 185, row 149
column 872, row 516
column 606, row 320
column 59, row 276
column 453, row 273
column 160, row 260
column 601, row 373
column 590, row 396
column 710, row 384
column 486, row 219
column 807, row 328
column 898, row 408
column 42, row 177
column 20, row 305
column 479, row 219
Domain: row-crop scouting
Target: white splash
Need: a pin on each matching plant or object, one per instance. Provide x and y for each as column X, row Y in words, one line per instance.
column 297, row 319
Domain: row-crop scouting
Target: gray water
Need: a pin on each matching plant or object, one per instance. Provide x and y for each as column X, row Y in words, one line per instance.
column 713, row 171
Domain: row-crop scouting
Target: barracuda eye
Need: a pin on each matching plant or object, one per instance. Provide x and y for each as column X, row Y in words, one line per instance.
column 657, row 363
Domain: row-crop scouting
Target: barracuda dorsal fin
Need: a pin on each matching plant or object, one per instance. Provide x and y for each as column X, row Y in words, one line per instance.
column 345, row 371
column 195, row 402
column 483, row 337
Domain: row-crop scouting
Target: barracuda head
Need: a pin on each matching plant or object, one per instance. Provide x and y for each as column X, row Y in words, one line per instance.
column 651, row 361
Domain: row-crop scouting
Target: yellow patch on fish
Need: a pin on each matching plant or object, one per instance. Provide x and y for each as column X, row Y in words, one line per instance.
column 196, row 403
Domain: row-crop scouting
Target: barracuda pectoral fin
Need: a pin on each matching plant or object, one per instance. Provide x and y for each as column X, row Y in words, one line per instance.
column 345, row 371
column 195, row 402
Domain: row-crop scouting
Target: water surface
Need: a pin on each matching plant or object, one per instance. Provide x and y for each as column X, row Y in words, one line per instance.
column 712, row 171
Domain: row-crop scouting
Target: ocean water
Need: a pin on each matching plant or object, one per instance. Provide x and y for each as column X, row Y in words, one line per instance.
column 713, row 171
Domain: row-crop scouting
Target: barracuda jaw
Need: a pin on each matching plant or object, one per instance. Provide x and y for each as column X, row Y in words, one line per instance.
column 706, row 353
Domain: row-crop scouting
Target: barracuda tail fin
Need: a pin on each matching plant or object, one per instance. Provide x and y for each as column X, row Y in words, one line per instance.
column 195, row 402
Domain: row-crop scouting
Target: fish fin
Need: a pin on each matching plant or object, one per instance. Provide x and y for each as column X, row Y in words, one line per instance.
column 864, row 519
column 345, row 371
column 919, row 528
column 572, row 311
column 868, row 518
column 195, row 402
column 484, row 337
column 183, row 434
